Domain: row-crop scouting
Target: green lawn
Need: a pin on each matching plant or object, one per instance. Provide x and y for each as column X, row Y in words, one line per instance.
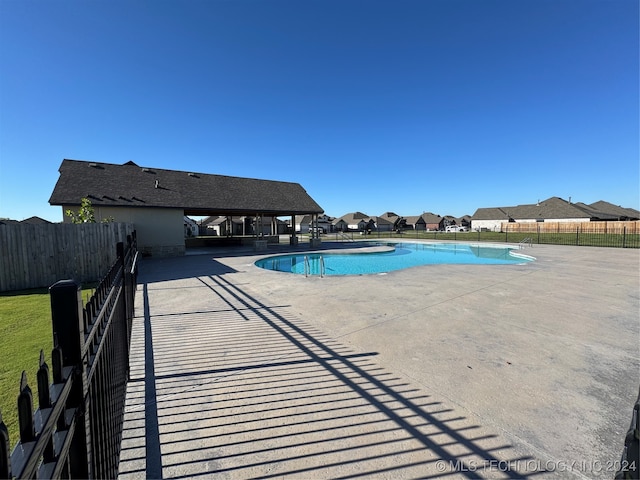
column 25, row 329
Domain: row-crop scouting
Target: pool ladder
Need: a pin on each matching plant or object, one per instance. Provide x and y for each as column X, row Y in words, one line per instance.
column 525, row 242
column 307, row 267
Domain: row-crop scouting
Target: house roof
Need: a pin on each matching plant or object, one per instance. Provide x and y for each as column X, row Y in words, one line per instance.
column 491, row 213
column 130, row 185
column 616, row 210
column 27, row 221
column 384, row 220
column 303, row 219
column 352, row 218
column 431, row 218
column 414, row 219
column 552, row 208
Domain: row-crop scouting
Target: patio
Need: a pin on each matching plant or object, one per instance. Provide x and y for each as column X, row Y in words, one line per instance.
column 468, row 371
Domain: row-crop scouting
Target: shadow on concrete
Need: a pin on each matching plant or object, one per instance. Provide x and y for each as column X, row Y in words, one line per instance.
column 233, row 387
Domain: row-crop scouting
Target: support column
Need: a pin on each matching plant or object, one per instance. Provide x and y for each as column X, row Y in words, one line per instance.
column 260, row 243
column 293, row 240
column 315, row 234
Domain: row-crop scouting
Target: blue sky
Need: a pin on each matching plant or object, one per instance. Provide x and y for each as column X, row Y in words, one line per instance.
column 406, row 106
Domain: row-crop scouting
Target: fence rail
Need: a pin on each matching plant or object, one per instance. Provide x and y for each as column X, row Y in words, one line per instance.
column 77, row 429
column 34, row 256
column 617, row 227
column 580, row 234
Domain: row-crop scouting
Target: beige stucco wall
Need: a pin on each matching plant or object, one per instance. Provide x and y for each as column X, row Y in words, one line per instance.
column 160, row 231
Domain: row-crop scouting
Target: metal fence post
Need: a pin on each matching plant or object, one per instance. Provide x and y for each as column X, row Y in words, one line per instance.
column 578, row 235
column 68, row 328
column 126, row 292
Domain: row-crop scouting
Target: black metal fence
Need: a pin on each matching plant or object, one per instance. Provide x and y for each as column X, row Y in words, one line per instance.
column 630, row 461
column 77, row 429
column 566, row 236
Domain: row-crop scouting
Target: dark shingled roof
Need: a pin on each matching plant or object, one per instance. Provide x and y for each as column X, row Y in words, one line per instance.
column 129, row 185
column 559, row 208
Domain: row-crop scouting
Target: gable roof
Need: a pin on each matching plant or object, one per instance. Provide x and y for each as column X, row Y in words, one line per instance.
column 615, row 210
column 129, row 185
column 28, row 221
column 353, row 218
column 35, row 221
column 303, row 219
column 383, row 220
column 554, row 207
column 414, row 219
column 429, row 217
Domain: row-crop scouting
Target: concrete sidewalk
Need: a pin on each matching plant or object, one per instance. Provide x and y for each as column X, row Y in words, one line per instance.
column 461, row 371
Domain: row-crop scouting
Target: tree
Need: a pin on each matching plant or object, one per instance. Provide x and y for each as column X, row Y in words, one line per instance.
column 85, row 214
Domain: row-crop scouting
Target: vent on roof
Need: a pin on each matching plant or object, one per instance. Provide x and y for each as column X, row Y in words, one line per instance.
column 93, row 164
column 194, row 175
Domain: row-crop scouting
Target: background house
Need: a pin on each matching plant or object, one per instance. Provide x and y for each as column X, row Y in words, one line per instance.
column 354, row 221
column 383, row 224
column 433, row 222
column 397, row 222
column 554, row 209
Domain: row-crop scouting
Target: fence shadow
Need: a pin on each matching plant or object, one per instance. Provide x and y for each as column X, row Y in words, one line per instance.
column 224, row 384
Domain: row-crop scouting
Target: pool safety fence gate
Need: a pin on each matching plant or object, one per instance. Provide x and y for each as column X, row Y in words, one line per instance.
column 77, row 429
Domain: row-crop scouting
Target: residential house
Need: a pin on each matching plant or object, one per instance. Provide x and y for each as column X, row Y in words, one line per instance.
column 416, row 222
column 397, row 222
column 554, row 209
column 432, row 222
column 383, row 224
column 354, row 221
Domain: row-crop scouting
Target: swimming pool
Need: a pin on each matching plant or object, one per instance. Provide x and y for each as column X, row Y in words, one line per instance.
column 399, row 256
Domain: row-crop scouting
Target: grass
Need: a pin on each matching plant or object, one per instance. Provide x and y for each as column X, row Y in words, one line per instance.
column 25, row 329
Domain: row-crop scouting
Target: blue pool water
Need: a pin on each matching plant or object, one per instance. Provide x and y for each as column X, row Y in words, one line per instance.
column 403, row 255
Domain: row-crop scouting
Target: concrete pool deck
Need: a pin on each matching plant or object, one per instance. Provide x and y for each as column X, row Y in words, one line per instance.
column 482, row 371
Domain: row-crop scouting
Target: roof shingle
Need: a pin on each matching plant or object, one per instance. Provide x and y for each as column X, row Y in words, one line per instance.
column 129, row 185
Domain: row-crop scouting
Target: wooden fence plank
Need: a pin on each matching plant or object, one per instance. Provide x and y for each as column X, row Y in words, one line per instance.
column 617, row 227
column 34, row 256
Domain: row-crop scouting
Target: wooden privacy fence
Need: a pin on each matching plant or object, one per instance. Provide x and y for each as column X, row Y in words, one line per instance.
column 34, row 256
column 77, row 429
column 617, row 228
